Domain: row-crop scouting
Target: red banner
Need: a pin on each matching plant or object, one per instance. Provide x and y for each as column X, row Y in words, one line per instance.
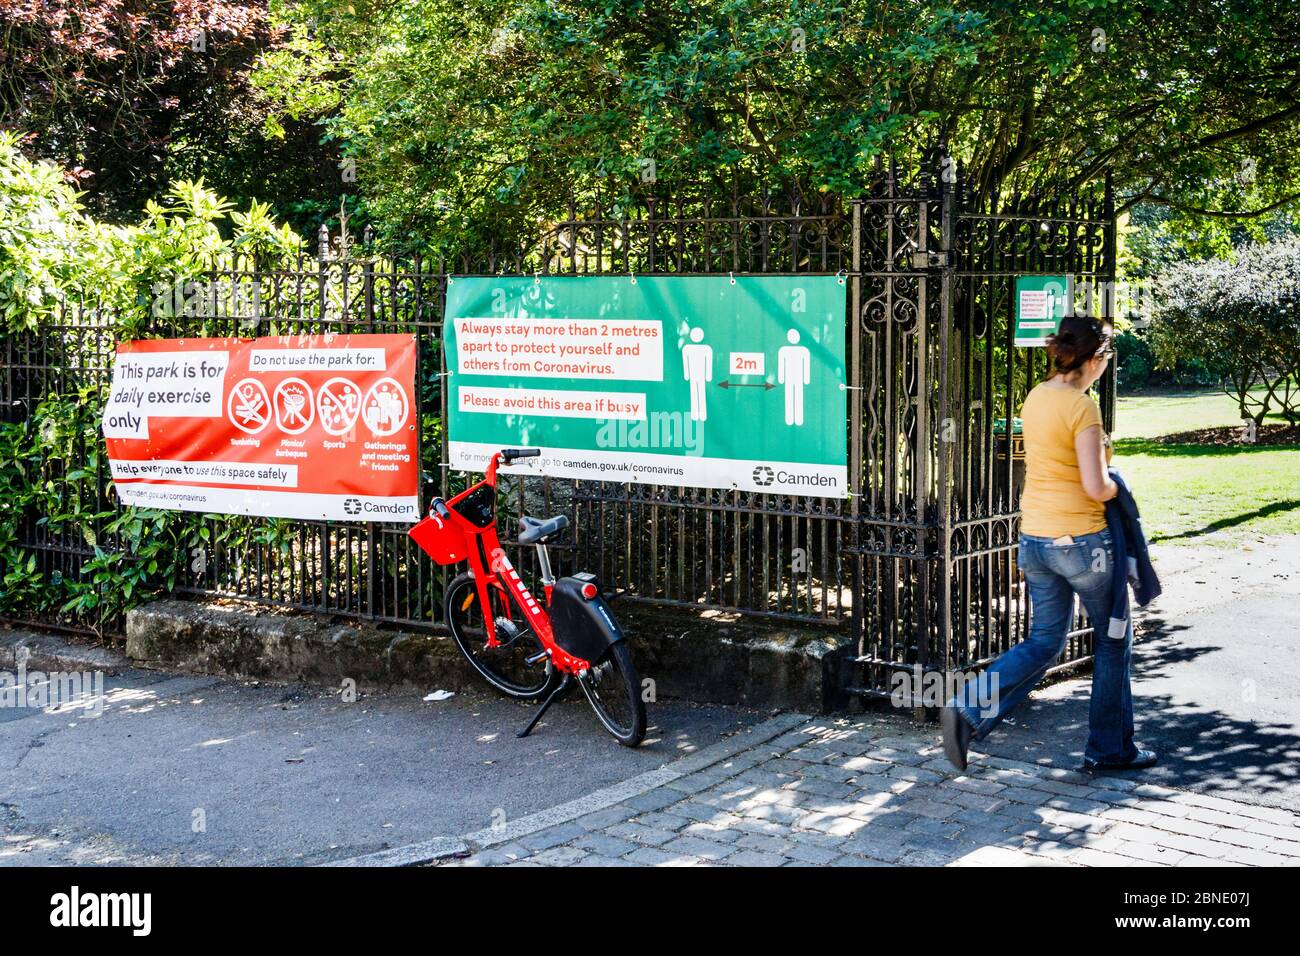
column 312, row 426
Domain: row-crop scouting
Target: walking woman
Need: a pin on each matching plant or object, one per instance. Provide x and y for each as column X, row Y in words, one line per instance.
column 1065, row 549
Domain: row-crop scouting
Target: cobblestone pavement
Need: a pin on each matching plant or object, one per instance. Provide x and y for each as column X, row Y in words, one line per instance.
column 856, row 792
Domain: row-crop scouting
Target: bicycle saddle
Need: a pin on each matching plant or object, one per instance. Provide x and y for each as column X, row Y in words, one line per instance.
column 535, row 529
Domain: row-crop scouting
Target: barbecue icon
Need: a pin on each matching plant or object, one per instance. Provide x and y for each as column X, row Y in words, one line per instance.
column 249, row 407
column 294, row 408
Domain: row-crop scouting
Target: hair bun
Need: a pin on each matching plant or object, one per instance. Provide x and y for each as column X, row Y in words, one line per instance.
column 1078, row 339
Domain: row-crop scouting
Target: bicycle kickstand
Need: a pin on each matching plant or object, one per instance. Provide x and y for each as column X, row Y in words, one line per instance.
column 563, row 686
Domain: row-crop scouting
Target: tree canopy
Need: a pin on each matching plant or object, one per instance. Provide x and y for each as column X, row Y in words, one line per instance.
column 129, row 96
column 459, row 120
column 1240, row 319
column 458, row 113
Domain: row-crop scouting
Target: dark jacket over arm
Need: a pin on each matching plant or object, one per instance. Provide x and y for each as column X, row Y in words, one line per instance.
column 1132, row 559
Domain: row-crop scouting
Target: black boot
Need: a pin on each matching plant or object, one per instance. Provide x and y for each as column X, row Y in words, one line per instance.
column 1141, row 760
column 957, row 736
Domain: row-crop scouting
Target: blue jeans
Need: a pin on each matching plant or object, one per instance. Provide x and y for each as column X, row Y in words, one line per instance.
column 1055, row 574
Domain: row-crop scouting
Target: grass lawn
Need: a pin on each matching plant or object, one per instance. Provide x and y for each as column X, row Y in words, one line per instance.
column 1193, row 493
column 1167, row 413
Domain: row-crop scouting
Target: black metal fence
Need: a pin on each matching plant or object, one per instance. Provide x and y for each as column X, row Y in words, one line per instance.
column 918, row 565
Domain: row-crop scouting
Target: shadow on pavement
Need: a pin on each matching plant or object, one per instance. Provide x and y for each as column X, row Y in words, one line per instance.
column 1214, row 733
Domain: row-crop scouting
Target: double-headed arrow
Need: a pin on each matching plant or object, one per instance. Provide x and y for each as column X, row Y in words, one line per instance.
column 767, row 386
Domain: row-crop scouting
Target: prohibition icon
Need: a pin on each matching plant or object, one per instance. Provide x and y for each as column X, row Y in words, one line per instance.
column 249, row 407
column 385, row 408
column 294, row 408
column 338, row 402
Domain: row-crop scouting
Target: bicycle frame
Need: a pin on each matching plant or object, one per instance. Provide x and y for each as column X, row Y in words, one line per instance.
column 491, row 567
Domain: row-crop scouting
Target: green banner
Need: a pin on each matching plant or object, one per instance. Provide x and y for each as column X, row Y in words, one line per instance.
column 1041, row 303
column 698, row 381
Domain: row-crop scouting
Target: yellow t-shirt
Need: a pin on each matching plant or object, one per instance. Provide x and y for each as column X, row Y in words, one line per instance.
column 1054, row 502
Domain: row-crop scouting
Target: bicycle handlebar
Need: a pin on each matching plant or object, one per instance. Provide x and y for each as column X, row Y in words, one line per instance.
column 510, row 454
column 441, row 508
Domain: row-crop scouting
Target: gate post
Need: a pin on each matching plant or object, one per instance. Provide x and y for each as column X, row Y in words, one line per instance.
column 1109, row 381
column 922, row 265
column 948, row 430
column 855, row 428
column 374, row 555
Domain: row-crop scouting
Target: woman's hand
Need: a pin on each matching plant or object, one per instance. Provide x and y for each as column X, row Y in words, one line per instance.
column 1091, row 453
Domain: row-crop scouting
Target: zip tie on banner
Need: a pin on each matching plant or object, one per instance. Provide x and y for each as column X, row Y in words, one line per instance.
column 632, row 276
column 840, row 276
column 850, row 388
column 537, row 277
column 733, row 277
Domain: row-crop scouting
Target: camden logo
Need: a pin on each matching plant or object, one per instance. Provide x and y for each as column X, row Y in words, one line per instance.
column 352, row 506
column 132, row 910
column 764, row 476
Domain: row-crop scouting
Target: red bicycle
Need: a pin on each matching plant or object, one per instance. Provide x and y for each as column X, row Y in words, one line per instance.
column 545, row 648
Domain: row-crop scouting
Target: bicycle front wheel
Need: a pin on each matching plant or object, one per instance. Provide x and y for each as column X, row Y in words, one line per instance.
column 613, row 689
column 507, row 666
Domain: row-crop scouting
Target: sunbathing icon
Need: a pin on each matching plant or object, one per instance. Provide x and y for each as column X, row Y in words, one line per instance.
column 249, row 407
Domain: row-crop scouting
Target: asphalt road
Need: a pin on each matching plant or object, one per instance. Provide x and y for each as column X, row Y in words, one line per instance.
column 198, row 770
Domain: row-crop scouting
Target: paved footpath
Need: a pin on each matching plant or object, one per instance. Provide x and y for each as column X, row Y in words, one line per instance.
column 856, row 792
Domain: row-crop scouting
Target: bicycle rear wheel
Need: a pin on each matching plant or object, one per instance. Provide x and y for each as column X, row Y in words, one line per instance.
column 505, row 667
column 613, row 689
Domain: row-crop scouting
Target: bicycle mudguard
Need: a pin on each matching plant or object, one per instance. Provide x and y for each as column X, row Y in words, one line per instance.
column 582, row 625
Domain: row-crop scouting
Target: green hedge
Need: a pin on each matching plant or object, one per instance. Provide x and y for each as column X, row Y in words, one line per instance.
column 52, row 459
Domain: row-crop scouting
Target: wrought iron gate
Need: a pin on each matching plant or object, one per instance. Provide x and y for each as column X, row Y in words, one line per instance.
column 932, row 448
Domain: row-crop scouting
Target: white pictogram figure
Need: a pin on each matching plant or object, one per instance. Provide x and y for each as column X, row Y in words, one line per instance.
column 294, row 408
column 385, row 408
column 338, row 402
column 249, row 407
column 793, row 368
column 697, row 368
